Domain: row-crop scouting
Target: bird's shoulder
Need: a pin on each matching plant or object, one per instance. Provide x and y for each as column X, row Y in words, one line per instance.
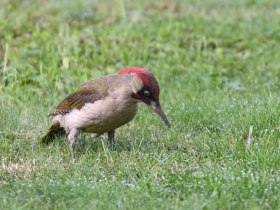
column 91, row 91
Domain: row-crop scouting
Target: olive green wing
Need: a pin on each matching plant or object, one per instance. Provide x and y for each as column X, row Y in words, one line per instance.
column 90, row 92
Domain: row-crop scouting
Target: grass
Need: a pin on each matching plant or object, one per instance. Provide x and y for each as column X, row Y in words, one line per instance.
column 218, row 65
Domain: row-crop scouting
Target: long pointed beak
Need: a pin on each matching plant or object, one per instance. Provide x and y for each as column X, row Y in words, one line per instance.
column 157, row 108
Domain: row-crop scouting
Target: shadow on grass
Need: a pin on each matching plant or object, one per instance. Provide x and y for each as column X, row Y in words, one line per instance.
column 91, row 144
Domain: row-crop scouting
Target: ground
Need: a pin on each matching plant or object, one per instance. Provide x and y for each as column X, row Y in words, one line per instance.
column 218, row 67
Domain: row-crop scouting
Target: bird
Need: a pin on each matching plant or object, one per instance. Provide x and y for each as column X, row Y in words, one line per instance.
column 103, row 104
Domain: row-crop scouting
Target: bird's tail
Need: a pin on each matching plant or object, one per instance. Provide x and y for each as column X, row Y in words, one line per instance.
column 54, row 131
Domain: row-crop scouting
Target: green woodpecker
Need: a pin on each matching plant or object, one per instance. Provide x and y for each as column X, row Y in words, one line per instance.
column 104, row 104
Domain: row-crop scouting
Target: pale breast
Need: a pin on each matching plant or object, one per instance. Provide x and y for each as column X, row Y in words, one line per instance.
column 100, row 116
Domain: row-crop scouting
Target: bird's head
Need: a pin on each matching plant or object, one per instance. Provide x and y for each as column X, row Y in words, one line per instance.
column 149, row 93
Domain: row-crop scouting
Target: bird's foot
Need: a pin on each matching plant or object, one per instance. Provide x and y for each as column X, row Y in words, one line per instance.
column 111, row 137
column 72, row 157
column 71, row 141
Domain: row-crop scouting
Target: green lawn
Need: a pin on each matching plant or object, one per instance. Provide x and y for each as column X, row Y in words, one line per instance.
column 218, row 65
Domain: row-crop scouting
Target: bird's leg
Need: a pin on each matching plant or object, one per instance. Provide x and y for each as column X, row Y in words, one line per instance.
column 111, row 136
column 71, row 140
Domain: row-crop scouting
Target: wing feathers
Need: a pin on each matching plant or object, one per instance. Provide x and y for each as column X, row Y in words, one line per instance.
column 90, row 92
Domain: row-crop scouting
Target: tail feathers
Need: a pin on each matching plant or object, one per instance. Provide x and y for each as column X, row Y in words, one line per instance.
column 53, row 132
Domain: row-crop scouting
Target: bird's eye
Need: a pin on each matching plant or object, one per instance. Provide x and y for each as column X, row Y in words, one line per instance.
column 146, row 93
